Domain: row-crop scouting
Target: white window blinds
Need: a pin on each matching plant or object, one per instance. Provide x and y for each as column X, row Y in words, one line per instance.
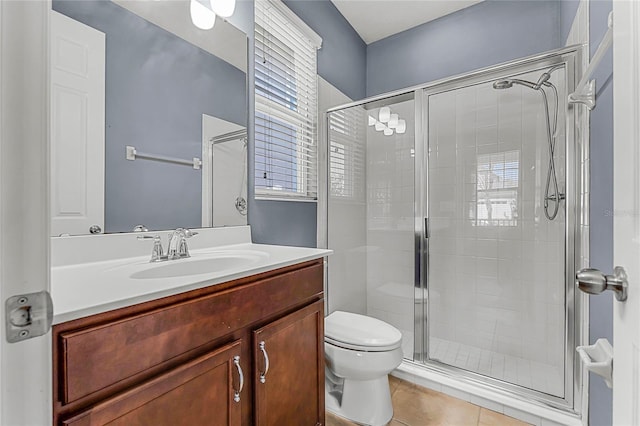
column 347, row 140
column 286, row 104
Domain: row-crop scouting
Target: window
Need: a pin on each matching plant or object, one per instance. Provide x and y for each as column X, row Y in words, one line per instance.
column 497, row 189
column 286, row 105
column 346, row 153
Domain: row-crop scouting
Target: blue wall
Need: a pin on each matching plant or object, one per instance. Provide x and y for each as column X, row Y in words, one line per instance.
column 568, row 9
column 342, row 61
column 601, row 217
column 158, row 86
column 485, row 34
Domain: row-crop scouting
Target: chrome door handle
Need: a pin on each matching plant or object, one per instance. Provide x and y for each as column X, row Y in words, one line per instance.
column 593, row 281
column 236, row 394
column 263, row 376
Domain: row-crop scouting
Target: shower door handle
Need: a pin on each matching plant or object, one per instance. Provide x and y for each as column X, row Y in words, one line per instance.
column 427, row 231
column 593, row 281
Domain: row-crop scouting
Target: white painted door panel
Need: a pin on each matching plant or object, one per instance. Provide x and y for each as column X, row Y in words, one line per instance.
column 25, row 373
column 77, row 126
column 224, row 174
column 626, row 326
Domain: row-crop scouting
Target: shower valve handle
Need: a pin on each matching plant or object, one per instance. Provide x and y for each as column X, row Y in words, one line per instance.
column 593, row 281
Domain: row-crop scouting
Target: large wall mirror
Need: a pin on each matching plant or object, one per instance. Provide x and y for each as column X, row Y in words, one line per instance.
column 148, row 118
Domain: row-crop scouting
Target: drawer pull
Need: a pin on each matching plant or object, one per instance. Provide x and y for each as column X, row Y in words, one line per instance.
column 263, row 376
column 236, row 395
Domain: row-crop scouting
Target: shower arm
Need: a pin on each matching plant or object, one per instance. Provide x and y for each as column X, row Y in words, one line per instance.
column 585, row 92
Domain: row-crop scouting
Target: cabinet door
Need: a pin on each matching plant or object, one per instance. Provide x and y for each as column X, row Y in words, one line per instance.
column 289, row 369
column 206, row 390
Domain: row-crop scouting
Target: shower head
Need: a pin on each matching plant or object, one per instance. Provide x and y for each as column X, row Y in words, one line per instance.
column 507, row 84
column 503, row 84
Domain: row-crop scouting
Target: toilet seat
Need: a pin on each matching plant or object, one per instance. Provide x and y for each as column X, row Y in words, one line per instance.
column 360, row 332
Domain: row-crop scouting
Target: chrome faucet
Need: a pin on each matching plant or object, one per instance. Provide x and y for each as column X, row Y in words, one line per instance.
column 177, row 247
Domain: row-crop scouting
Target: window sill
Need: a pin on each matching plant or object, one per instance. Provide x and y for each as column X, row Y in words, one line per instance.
column 295, row 199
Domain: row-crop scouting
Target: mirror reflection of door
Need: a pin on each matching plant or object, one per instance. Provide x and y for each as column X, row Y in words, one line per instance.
column 224, row 172
column 77, row 64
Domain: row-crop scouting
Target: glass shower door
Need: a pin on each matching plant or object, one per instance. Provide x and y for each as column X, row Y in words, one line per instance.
column 371, row 212
column 496, row 279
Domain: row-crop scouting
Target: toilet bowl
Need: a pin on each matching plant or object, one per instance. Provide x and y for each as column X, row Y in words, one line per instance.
column 360, row 352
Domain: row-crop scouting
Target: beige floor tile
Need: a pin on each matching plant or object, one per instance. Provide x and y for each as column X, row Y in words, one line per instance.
column 393, row 383
column 333, row 420
column 491, row 418
column 417, row 406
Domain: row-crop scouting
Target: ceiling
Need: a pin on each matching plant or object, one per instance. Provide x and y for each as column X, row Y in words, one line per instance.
column 377, row 19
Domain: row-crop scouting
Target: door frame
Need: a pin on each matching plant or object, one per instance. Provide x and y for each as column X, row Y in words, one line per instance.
column 626, row 213
column 25, row 367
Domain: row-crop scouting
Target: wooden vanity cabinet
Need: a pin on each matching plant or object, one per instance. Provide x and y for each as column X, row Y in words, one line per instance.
column 179, row 359
column 201, row 391
column 289, row 361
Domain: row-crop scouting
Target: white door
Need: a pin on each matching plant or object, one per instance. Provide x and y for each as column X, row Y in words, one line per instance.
column 626, row 326
column 224, row 174
column 77, row 127
column 25, row 373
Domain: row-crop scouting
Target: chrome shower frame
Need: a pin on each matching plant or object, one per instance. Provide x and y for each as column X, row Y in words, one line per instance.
column 576, row 306
column 576, row 303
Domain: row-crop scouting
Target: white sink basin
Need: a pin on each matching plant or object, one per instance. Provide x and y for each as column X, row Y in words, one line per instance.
column 210, row 263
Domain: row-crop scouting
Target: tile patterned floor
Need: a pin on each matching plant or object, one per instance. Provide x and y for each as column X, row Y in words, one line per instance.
column 520, row 371
column 417, row 406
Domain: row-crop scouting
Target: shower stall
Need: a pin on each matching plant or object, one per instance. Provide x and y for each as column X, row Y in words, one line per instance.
column 454, row 212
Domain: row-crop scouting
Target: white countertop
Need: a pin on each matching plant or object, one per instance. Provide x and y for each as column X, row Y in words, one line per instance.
column 94, row 286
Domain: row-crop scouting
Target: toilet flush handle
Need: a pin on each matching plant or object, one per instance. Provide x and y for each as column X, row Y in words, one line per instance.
column 263, row 376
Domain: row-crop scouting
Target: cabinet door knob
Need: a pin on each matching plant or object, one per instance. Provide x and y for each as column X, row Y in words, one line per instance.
column 263, row 376
column 236, row 395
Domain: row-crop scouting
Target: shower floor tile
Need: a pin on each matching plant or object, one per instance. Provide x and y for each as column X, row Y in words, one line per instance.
column 520, row 371
column 417, row 406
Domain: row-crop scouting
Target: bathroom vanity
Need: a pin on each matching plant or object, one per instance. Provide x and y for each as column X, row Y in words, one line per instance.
column 236, row 347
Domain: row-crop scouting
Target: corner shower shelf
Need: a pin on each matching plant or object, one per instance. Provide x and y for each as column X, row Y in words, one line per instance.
column 133, row 154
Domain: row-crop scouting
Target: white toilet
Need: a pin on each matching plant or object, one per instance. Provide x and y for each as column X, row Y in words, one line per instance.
column 360, row 351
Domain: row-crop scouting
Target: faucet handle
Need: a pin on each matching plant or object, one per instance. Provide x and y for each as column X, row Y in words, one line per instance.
column 157, row 253
column 183, row 249
column 188, row 233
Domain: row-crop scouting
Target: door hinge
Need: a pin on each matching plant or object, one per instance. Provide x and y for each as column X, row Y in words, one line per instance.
column 28, row 315
column 427, row 231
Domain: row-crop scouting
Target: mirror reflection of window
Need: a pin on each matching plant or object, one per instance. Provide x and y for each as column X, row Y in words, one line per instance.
column 497, row 189
column 347, row 140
